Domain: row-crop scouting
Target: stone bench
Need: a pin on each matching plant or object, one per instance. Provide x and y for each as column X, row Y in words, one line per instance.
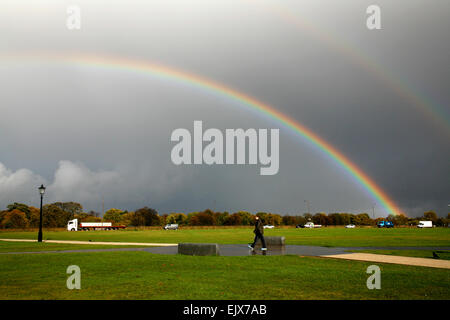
column 199, row 249
column 272, row 242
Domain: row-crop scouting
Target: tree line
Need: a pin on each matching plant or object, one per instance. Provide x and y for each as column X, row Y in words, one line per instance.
column 56, row 215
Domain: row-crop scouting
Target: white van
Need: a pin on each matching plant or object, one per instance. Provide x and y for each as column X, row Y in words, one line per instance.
column 171, row 227
column 425, row 224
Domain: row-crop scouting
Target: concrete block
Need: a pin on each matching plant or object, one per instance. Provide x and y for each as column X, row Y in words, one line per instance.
column 199, row 249
column 272, row 242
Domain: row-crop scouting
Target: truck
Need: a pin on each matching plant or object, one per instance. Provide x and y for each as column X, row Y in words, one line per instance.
column 385, row 224
column 425, row 224
column 73, row 225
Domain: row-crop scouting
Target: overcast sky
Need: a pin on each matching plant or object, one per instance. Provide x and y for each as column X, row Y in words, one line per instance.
column 89, row 132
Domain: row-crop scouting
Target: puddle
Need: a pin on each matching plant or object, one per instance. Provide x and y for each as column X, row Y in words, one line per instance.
column 243, row 250
column 314, row 251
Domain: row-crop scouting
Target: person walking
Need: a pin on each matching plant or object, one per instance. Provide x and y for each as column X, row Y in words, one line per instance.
column 259, row 234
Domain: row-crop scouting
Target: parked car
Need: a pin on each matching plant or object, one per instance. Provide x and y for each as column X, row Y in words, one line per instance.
column 268, row 226
column 385, row 224
column 171, row 226
column 350, row 226
column 312, row 225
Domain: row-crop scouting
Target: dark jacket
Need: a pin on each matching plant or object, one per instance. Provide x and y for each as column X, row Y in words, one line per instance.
column 259, row 228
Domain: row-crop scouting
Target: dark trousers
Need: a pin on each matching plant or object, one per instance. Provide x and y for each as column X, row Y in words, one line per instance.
column 259, row 236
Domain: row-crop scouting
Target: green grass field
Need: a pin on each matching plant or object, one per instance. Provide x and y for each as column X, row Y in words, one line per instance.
column 364, row 237
column 141, row 275
column 35, row 247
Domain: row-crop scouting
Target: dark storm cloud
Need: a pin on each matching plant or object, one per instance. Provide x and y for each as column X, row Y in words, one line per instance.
column 91, row 132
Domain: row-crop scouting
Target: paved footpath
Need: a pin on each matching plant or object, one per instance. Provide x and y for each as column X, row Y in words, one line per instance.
column 383, row 258
column 97, row 242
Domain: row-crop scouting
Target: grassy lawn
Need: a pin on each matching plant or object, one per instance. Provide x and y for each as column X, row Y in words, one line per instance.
column 141, row 275
column 35, row 246
column 364, row 237
column 445, row 255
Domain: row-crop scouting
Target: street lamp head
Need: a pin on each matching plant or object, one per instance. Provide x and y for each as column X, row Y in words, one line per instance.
column 42, row 189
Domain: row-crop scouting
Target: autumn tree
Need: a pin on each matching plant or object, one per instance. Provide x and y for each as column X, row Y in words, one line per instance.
column 233, row 220
column 146, row 216
column 14, row 219
column 202, row 219
column 363, row 219
column 2, row 215
column 54, row 216
column 113, row 215
column 70, row 207
column 400, row 220
column 128, row 218
column 176, row 218
column 300, row 220
column 19, row 206
column 335, row 219
column 273, row 219
column 347, row 218
column 31, row 213
column 288, row 220
column 320, row 218
column 430, row 215
column 34, row 217
column 221, row 217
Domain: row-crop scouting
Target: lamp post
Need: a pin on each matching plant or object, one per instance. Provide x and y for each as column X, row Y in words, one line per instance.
column 41, row 191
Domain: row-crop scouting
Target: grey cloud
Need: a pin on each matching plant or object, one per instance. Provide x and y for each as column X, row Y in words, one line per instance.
column 113, row 126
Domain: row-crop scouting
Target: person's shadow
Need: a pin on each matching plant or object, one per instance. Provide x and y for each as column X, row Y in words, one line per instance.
column 263, row 253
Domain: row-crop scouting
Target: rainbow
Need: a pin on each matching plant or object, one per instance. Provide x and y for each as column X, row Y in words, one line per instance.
column 166, row 72
column 432, row 110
